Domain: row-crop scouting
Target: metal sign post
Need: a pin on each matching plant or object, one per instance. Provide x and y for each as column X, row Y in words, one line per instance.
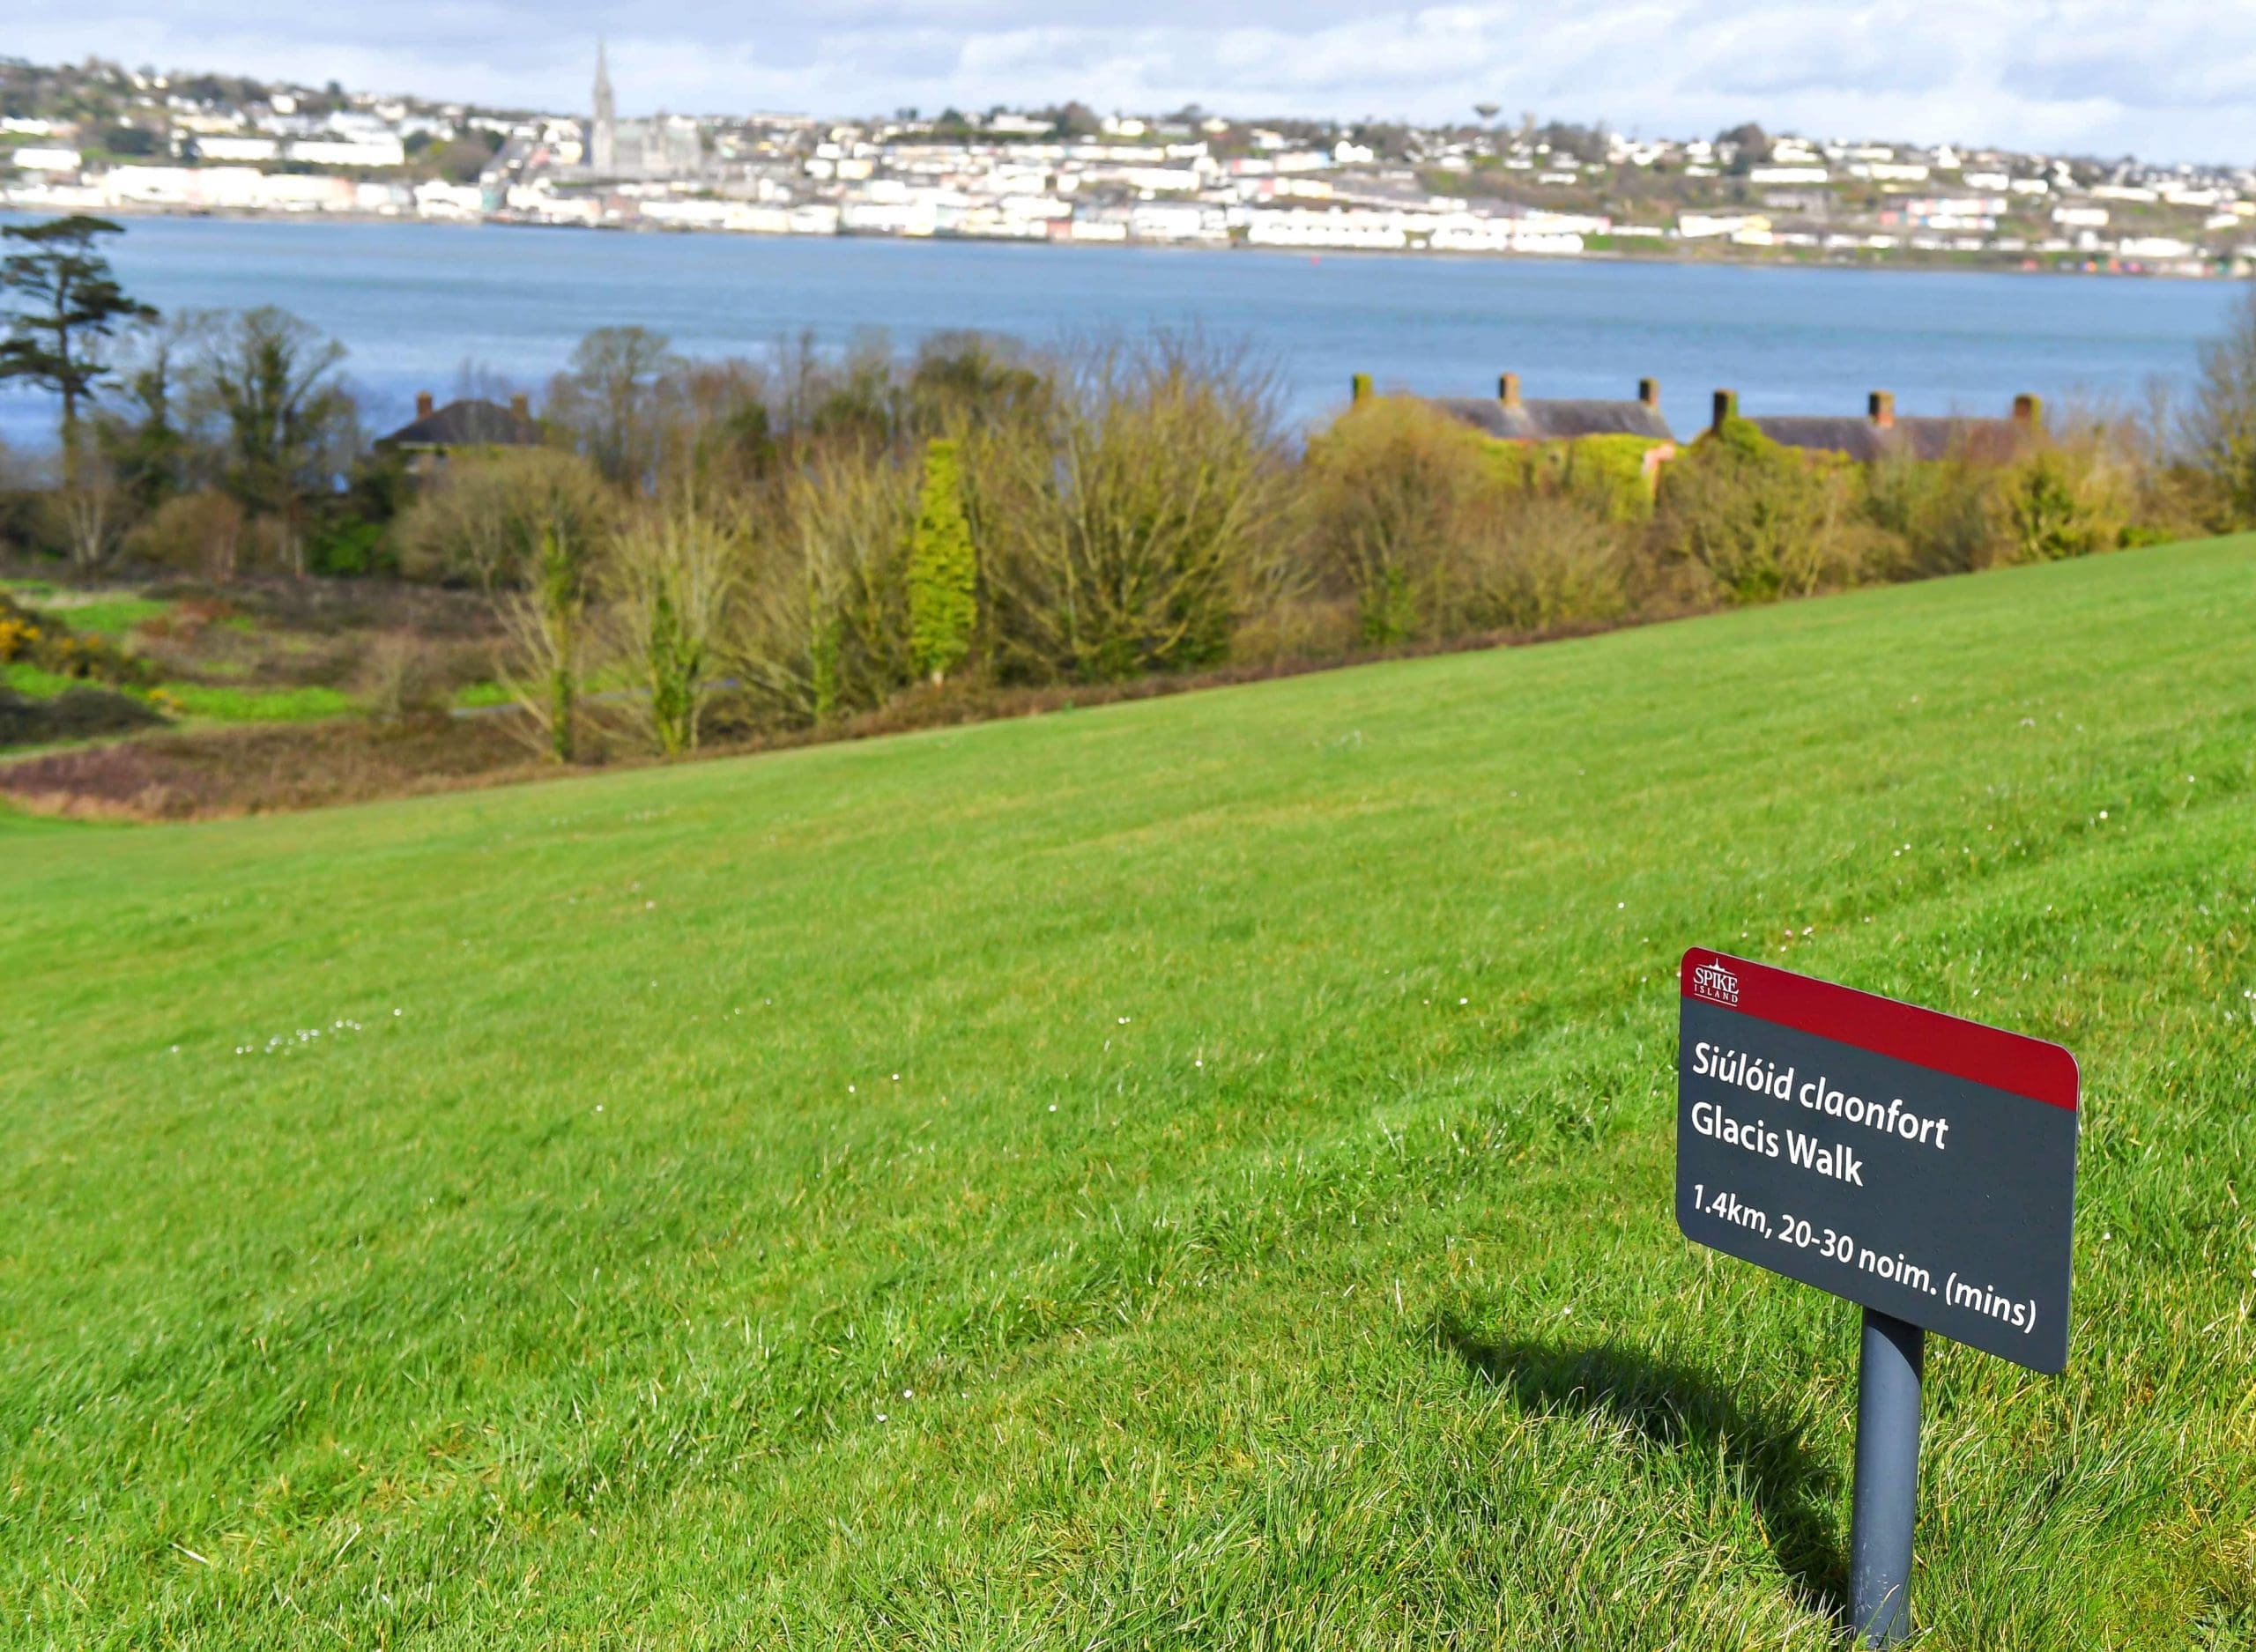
column 1886, row 1499
column 1921, row 1165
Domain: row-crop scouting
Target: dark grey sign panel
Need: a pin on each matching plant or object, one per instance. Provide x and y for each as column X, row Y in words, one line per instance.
column 1907, row 1160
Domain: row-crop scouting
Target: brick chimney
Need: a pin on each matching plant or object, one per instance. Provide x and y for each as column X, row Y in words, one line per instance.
column 1879, row 407
column 1508, row 389
column 423, row 405
column 1361, row 387
column 521, row 405
column 1726, row 406
column 2028, row 409
column 1649, row 392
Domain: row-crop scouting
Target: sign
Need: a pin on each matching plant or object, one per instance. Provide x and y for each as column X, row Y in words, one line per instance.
column 1914, row 1163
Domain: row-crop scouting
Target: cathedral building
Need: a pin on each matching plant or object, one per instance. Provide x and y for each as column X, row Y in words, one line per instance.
column 663, row 147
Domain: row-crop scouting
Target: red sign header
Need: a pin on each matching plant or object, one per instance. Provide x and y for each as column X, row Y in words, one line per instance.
column 1980, row 1055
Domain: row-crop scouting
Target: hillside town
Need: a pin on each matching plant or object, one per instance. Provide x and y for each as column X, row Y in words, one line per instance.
column 98, row 137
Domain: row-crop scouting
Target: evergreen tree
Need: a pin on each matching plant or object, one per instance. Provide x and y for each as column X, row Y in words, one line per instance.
column 943, row 569
column 68, row 302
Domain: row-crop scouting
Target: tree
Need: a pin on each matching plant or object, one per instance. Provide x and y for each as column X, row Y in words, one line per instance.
column 1749, row 143
column 608, row 397
column 546, row 514
column 143, row 441
column 68, row 304
column 2218, row 428
column 674, row 574
column 286, row 423
column 943, row 570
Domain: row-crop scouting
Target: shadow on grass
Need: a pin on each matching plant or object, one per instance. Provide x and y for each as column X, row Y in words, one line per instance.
column 1673, row 1406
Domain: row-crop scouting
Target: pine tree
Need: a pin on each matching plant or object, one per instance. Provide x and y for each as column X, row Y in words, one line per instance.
column 70, row 304
column 943, row 569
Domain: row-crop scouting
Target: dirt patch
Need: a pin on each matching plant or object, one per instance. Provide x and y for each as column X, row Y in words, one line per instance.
column 263, row 770
column 75, row 713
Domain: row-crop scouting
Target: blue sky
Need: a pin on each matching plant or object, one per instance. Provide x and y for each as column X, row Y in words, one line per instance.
column 2168, row 79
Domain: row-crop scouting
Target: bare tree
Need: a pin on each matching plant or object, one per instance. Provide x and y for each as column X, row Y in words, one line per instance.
column 286, row 424
column 551, row 525
column 608, row 399
column 2217, row 426
column 671, row 573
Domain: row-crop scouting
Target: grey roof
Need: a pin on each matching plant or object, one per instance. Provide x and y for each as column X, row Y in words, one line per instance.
column 1917, row 438
column 1557, row 420
column 470, row 423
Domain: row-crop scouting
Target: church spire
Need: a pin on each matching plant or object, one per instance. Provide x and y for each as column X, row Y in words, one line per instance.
column 603, row 131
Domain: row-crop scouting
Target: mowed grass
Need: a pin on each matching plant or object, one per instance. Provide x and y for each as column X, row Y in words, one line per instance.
column 1187, row 1174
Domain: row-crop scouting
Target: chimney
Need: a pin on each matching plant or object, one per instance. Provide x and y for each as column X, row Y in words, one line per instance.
column 422, row 404
column 1879, row 407
column 1362, row 391
column 1649, row 392
column 1727, row 406
column 2028, row 409
column 521, row 405
column 1508, row 389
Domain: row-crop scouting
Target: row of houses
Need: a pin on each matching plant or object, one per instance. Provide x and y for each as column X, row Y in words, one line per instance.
column 1881, row 432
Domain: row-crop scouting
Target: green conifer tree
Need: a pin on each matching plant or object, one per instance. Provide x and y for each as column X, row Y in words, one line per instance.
column 943, row 569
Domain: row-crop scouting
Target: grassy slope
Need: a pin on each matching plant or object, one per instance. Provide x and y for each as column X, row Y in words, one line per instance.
column 1266, row 1238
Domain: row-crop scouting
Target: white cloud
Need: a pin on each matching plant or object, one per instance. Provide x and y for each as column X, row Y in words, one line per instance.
column 2163, row 77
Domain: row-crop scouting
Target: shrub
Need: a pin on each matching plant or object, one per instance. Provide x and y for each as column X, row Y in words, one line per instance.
column 203, row 532
column 1608, row 474
column 481, row 519
column 824, row 628
column 943, row 570
column 402, row 676
column 1934, row 517
column 29, row 637
column 545, row 623
column 1741, row 519
column 1129, row 536
column 1389, row 494
column 671, row 573
column 75, row 713
column 2062, row 500
column 1544, row 561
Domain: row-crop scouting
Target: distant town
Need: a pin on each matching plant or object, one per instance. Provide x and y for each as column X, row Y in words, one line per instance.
column 101, row 138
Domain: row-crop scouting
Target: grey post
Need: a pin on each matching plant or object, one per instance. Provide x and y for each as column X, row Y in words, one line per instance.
column 1887, row 1495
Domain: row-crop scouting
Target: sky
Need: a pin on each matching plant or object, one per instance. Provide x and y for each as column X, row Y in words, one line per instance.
column 2165, row 79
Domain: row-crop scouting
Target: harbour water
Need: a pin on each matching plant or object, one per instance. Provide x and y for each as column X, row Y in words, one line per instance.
column 415, row 303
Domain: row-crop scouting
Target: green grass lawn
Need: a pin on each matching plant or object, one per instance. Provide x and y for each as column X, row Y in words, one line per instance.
column 198, row 702
column 105, row 614
column 1188, row 1174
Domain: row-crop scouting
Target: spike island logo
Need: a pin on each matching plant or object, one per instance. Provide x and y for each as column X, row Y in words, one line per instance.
column 1714, row 982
